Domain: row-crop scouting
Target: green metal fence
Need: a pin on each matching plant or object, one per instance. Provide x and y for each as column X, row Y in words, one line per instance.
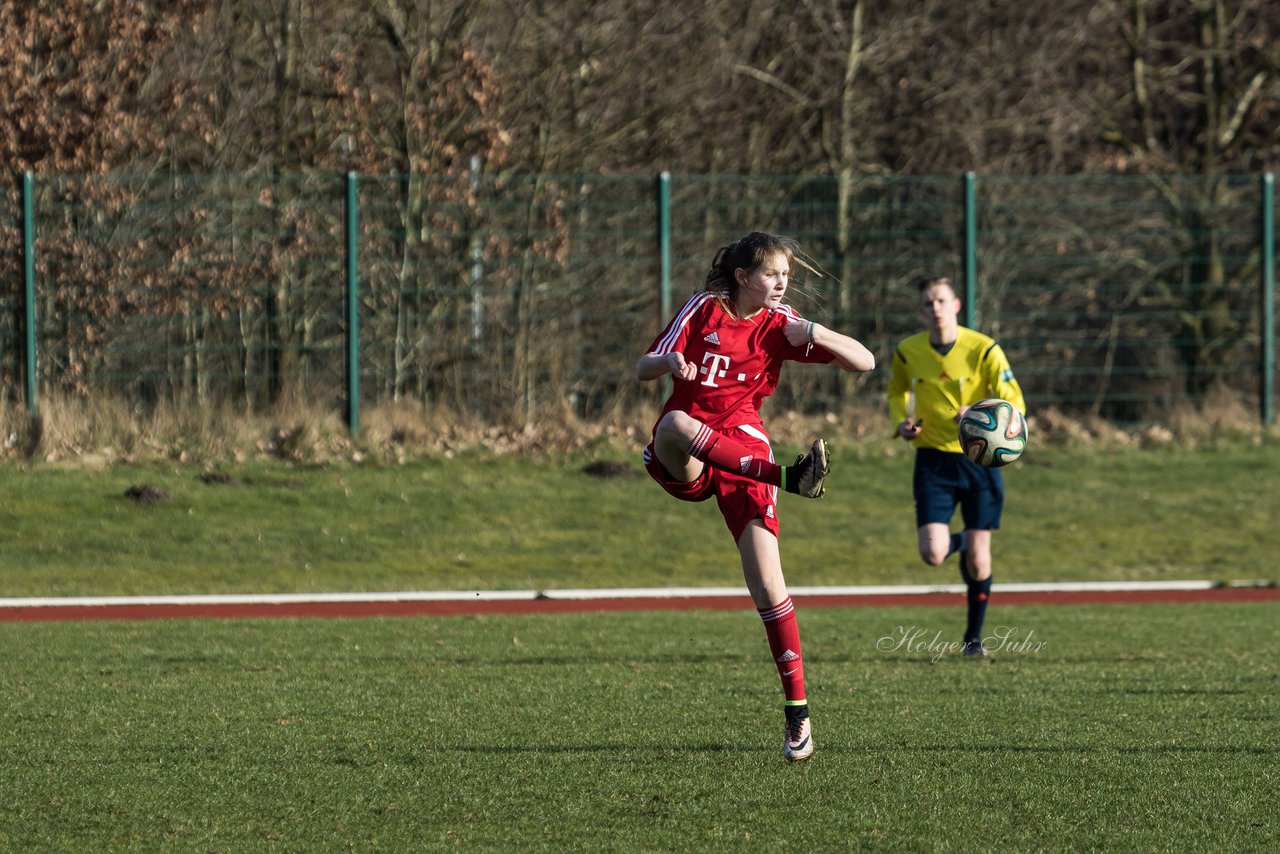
column 516, row 297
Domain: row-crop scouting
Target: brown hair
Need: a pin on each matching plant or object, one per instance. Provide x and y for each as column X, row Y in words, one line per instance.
column 749, row 252
column 929, row 281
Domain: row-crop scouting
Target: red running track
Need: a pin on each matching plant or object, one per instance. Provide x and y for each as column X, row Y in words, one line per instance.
column 453, row 608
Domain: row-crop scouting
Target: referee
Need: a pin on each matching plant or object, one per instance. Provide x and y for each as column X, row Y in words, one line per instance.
column 936, row 375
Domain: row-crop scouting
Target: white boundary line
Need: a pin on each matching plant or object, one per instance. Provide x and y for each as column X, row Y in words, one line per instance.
column 880, row 590
column 274, row 598
column 598, row 593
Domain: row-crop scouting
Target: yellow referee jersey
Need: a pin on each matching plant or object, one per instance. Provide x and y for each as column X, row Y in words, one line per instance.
column 933, row 387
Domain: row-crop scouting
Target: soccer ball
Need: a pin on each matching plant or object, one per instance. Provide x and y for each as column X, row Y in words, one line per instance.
column 993, row 432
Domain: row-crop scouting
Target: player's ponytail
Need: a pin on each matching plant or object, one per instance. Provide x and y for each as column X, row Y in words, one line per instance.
column 720, row 277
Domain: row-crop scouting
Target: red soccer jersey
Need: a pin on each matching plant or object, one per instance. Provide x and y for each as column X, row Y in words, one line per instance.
column 739, row 361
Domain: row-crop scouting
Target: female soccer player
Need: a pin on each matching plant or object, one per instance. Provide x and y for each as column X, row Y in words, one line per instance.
column 947, row 369
column 724, row 351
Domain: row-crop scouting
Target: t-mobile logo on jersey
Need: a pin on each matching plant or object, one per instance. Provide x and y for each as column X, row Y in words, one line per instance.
column 718, row 369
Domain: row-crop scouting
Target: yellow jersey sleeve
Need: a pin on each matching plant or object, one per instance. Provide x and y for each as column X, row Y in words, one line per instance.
column 899, row 390
column 999, row 379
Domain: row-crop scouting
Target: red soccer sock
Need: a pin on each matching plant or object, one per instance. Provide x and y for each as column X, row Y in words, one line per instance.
column 784, row 642
column 723, row 452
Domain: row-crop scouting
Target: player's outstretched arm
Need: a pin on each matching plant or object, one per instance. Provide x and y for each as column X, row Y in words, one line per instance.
column 654, row 365
column 850, row 353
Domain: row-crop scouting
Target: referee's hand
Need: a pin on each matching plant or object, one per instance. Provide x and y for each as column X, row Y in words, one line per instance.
column 910, row 428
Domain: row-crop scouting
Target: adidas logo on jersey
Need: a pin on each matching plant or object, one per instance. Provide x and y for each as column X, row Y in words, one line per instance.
column 713, row 338
column 768, row 511
column 788, row 657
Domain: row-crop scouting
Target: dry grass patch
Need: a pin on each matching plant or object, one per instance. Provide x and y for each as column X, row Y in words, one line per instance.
column 100, row 432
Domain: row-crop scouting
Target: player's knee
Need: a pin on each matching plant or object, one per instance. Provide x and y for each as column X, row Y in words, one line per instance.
column 979, row 569
column 933, row 557
column 677, row 423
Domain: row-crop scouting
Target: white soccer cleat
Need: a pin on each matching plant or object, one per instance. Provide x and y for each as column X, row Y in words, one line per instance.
column 798, row 741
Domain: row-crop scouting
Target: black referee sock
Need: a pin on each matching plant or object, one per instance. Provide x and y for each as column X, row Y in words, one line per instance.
column 979, row 592
column 957, row 544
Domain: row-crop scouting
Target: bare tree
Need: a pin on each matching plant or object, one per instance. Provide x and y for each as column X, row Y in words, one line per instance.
column 1203, row 85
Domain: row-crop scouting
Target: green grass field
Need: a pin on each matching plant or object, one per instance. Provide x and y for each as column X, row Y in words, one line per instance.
column 519, row 523
column 1146, row 728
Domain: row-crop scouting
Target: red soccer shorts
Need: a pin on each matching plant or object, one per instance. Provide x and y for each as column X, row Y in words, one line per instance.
column 740, row 499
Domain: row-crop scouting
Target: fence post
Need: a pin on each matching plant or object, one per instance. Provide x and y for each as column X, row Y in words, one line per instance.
column 664, row 258
column 970, row 250
column 477, row 259
column 1267, row 397
column 353, row 309
column 29, row 289
column 664, row 246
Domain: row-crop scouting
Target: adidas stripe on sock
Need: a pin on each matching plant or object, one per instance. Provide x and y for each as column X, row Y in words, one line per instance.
column 727, row 454
column 783, row 632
